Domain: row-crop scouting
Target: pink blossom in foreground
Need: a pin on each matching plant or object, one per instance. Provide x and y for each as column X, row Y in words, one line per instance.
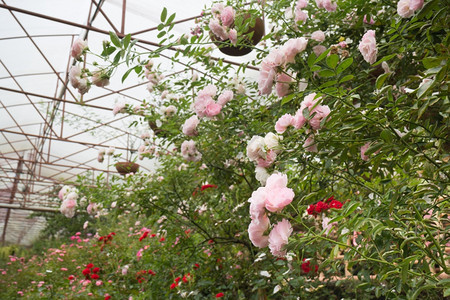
column 75, row 75
column 283, row 84
column 284, row 122
column 293, row 47
column 368, row 47
column 190, row 126
column 68, row 207
column 406, row 8
column 227, row 16
column 256, row 231
column 320, row 113
column 225, row 97
column 279, row 237
column 268, row 159
column 301, row 4
column 78, row 47
column 278, row 194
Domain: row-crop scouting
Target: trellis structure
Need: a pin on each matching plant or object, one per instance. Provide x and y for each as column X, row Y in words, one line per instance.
column 39, row 148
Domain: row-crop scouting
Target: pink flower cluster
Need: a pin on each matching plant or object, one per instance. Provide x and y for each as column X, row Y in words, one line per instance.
column 190, row 126
column 205, row 106
column 277, row 59
column 69, row 195
column 317, row 113
column 273, row 197
column 406, row 8
column 78, row 48
column 327, row 4
column 152, row 76
column 300, row 15
column 220, row 24
column 263, row 150
column 368, row 47
column 189, row 151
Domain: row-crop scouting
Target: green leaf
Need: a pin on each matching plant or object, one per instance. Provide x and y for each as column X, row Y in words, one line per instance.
column 163, row 14
column 447, row 292
column 311, row 58
column 332, row 60
column 322, row 56
column 326, row 73
column 351, row 209
column 346, row 78
column 161, row 34
column 116, row 58
column 171, row 18
column 108, row 51
column 374, row 148
column 424, row 88
column 287, row 99
column 386, row 58
column 431, row 62
column 160, row 27
column 126, row 41
column 344, row 65
column 315, row 68
column 126, row 74
column 380, row 80
column 386, row 135
column 115, row 39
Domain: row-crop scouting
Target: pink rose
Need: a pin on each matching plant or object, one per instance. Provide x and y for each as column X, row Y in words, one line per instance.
column 209, row 90
column 310, row 145
column 225, row 97
column 299, row 119
column 212, row 109
column 267, row 160
column 227, row 16
column 218, row 30
column 189, row 151
column 300, row 16
column 327, row 4
column 283, row 84
column 267, row 75
column 416, row 4
column 406, row 8
column 100, row 78
column 320, row 112
column 217, row 8
column 301, row 4
column 256, row 231
column 63, row 192
column 319, row 49
column 190, row 126
column 75, row 76
column 293, row 47
column 371, row 22
column 232, row 36
column 368, row 47
column 284, row 122
column 318, row 36
column 257, row 203
column 278, row 194
column 279, row 237
column 119, row 108
column 78, row 47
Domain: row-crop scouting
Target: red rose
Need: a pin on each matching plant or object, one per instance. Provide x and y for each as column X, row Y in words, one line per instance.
column 220, row 295
column 107, row 297
column 335, row 204
column 71, row 277
column 86, row 272
column 151, row 272
column 177, row 279
column 95, row 270
column 95, row 276
column 207, row 186
column 173, row 285
column 90, row 266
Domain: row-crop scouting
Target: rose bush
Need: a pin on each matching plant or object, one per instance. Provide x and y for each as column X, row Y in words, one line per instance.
column 349, row 199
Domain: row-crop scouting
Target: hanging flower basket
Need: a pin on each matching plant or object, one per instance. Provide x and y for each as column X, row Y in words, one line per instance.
column 246, row 40
column 126, row 167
